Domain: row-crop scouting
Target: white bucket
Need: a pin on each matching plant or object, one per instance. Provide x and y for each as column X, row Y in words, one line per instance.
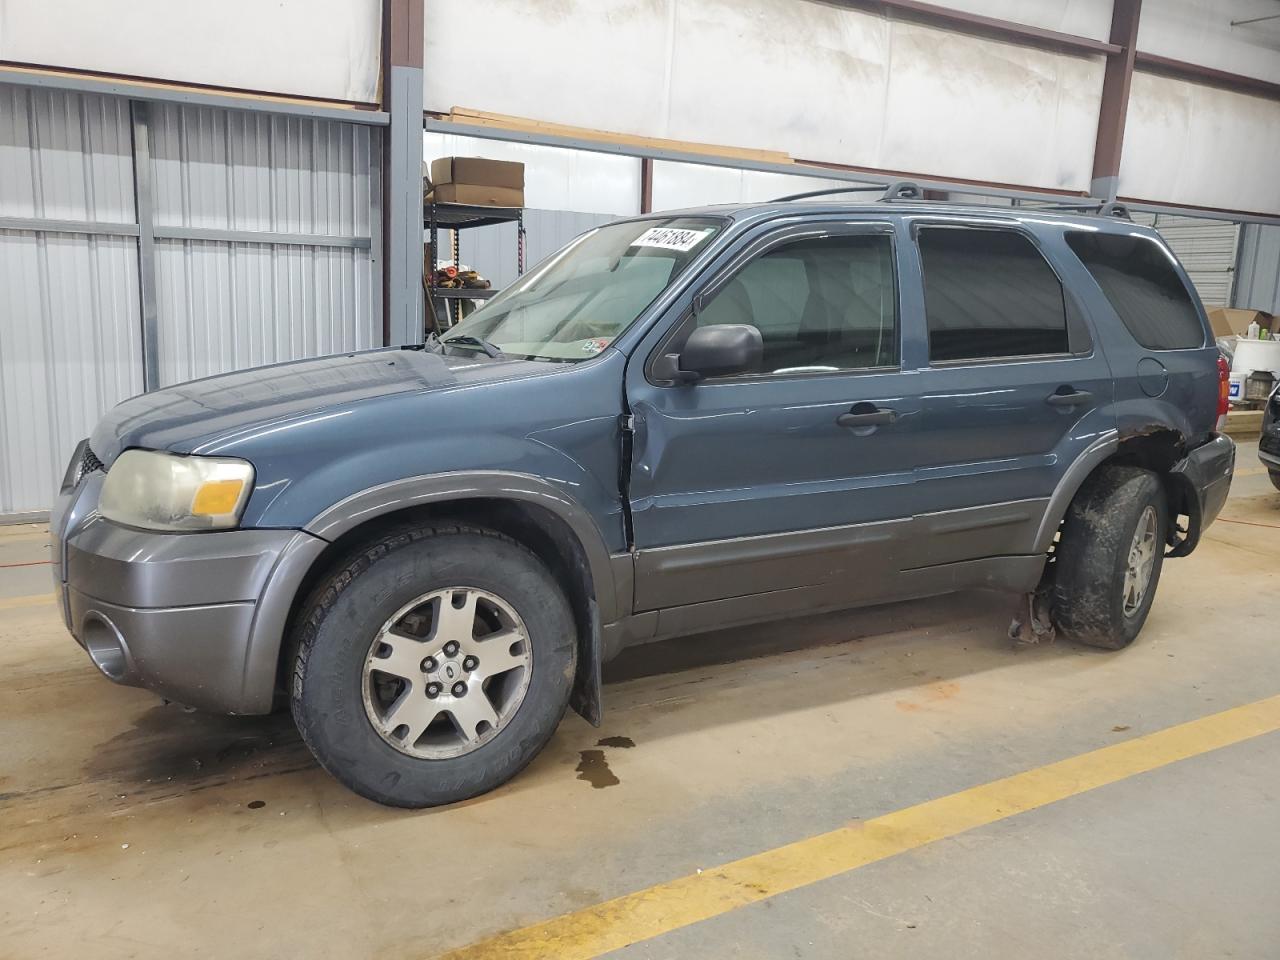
column 1235, row 386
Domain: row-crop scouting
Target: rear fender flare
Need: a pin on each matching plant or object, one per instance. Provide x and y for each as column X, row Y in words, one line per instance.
column 1093, row 455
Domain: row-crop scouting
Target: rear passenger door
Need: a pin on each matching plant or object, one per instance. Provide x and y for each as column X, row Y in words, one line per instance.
column 1013, row 391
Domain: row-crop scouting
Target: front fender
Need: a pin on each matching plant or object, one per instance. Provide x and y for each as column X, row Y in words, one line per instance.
column 398, row 495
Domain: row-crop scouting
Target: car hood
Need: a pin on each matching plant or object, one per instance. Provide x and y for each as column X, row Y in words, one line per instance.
column 206, row 413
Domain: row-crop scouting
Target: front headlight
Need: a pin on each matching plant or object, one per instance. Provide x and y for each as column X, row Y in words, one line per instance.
column 163, row 491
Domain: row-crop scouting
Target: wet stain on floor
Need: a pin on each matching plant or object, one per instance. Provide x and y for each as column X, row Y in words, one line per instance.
column 167, row 748
column 624, row 742
column 594, row 769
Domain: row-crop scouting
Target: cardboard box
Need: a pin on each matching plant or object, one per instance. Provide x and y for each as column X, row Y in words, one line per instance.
column 479, row 195
column 1232, row 322
column 477, row 180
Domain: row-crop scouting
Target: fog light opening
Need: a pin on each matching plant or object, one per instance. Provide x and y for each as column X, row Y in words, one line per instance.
column 105, row 647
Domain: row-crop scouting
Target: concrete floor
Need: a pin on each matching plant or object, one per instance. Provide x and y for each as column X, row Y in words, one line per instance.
column 133, row 829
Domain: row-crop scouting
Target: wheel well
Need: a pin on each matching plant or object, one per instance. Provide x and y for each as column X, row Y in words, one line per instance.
column 550, row 538
column 1159, row 451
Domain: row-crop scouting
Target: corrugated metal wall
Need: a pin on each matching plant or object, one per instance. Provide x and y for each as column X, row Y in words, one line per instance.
column 1207, row 249
column 225, row 305
column 264, row 251
column 70, row 341
column 1258, row 284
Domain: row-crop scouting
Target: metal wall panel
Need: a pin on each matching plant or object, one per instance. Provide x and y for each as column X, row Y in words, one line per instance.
column 227, row 306
column 1258, row 284
column 223, row 304
column 65, row 156
column 69, row 318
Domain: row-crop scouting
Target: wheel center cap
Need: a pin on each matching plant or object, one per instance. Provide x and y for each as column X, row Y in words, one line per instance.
column 451, row 671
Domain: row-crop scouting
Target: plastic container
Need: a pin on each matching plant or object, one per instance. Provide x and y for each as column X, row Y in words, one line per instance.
column 1235, row 387
column 1254, row 355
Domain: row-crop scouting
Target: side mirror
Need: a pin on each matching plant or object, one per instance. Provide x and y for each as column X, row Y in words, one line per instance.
column 718, row 351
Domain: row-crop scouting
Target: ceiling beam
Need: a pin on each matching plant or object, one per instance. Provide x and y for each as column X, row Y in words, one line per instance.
column 1197, row 73
column 965, row 22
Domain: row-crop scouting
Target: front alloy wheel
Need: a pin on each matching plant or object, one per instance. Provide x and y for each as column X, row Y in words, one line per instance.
column 446, row 672
column 433, row 664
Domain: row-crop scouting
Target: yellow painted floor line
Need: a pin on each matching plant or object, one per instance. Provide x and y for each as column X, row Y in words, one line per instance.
column 36, row 600
column 690, row 899
column 1248, row 471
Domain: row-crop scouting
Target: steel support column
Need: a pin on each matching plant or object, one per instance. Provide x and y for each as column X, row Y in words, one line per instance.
column 1116, row 82
column 402, row 185
column 139, row 114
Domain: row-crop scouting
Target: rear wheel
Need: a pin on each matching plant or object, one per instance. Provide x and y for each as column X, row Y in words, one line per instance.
column 433, row 666
column 1275, row 478
column 1108, row 559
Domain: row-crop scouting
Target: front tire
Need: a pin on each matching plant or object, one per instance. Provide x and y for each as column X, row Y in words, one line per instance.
column 433, row 665
column 1275, row 478
column 1108, row 558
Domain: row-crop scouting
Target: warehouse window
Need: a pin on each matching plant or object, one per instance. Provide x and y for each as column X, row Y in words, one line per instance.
column 989, row 294
column 821, row 305
column 1139, row 280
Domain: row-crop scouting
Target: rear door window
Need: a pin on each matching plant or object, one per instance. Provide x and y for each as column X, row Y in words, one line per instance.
column 989, row 294
column 1138, row 278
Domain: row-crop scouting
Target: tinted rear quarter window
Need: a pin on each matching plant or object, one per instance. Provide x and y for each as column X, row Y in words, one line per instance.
column 1138, row 278
column 989, row 294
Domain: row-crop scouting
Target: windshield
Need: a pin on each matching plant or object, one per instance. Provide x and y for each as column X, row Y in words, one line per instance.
column 576, row 302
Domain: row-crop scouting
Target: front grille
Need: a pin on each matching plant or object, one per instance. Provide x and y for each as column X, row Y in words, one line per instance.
column 1269, row 443
column 89, row 462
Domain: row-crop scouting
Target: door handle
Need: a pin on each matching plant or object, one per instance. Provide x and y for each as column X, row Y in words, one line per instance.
column 1073, row 398
column 873, row 417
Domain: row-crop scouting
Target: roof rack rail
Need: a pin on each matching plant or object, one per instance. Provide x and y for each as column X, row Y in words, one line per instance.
column 910, row 190
column 1104, row 208
column 903, row 190
column 826, row 193
column 897, row 190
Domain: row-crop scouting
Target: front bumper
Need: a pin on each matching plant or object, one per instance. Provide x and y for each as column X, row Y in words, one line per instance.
column 1269, row 444
column 197, row 617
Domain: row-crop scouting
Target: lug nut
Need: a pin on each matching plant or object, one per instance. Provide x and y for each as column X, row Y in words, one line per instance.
column 429, row 664
column 433, row 690
column 451, row 648
column 459, row 688
column 470, row 663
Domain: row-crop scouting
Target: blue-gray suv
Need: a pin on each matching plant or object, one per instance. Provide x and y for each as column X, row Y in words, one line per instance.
column 678, row 422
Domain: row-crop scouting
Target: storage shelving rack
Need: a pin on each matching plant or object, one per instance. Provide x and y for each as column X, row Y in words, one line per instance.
column 455, row 217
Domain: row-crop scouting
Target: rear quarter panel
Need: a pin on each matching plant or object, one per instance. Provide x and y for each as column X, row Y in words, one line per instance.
column 1188, row 400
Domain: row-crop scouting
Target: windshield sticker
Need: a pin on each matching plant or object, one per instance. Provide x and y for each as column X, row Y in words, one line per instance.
column 595, row 345
column 670, row 238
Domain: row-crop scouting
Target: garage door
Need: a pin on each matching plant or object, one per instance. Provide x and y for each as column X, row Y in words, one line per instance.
column 1207, row 249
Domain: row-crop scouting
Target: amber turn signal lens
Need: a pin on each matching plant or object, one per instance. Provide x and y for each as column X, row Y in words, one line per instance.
column 216, row 497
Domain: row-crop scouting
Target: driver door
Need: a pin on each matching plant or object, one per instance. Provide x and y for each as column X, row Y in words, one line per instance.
column 785, row 487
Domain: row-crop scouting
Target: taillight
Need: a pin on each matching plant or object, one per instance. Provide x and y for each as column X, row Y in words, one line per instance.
column 1224, row 386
